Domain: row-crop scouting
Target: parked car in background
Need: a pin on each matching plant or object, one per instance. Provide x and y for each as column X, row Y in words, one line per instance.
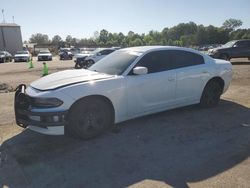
column 80, row 58
column 44, row 56
column 65, row 54
column 5, row 57
column 126, row 84
column 22, row 56
column 98, row 54
column 232, row 49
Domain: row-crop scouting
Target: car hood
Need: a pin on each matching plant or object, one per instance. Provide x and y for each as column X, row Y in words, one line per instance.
column 218, row 48
column 67, row 77
column 21, row 55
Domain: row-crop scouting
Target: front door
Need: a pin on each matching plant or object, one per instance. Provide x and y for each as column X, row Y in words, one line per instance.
column 154, row 91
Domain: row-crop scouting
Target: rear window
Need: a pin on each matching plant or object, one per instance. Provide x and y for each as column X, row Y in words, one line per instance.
column 243, row 43
column 182, row 58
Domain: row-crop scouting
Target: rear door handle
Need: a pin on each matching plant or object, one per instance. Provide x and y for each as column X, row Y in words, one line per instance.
column 171, row 79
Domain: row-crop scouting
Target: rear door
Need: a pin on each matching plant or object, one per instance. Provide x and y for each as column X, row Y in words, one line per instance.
column 191, row 75
column 241, row 49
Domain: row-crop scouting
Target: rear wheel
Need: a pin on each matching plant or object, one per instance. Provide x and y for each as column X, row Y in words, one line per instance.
column 211, row 94
column 89, row 118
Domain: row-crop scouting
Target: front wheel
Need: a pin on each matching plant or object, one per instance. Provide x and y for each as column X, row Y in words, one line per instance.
column 211, row 94
column 89, row 118
column 90, row 63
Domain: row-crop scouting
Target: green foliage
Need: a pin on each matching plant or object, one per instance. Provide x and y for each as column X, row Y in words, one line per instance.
column 231, row 24
column 39, row 38
column 183, row 34
column 240, row 34
column 56, row 40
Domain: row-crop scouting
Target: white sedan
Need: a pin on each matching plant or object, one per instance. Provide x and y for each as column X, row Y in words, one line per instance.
column 44, row 56
column 128, row 83
column 21, row 56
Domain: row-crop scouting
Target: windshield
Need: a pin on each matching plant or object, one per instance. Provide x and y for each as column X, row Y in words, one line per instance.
column 97, row 50
column 44, row 52
column 115, row 63
column 229, row 44
column 2, row 53
column 22, row 52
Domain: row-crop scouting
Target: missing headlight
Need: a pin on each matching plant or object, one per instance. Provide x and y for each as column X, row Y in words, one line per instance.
column 46, row 102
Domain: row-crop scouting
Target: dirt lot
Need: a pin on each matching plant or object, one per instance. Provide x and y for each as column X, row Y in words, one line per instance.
column 186, row 147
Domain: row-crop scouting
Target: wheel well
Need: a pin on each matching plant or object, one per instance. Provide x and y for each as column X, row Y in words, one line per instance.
column 107, row 100
column 219, row 80
column 224, row 54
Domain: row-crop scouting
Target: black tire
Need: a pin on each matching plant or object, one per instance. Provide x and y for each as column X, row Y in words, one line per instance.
column 225, row 57
column 90, row 63
column 76, row 66
column 211, row 94
column 88, row 118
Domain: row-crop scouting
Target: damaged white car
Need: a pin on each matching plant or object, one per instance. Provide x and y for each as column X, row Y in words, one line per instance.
column 126, row 84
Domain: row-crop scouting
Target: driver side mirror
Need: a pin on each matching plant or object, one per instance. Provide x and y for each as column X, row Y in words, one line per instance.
column 98, row 54
column 235, row 45
column 140, row 70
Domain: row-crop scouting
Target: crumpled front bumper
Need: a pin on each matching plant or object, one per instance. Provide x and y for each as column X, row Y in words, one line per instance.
column 26, row 116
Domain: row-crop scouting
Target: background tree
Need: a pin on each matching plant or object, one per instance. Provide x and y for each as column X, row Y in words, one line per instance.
column 69, row 40
column 183, row 34
column 103, row 37
column 56, row 40
column 39, row 38
column 231, row 24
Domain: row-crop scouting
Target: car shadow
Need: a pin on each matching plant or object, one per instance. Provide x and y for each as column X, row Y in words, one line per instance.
column 237, row 62
column 188, row 144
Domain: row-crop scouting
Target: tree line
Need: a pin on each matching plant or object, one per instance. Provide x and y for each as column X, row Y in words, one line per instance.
column 183, row 34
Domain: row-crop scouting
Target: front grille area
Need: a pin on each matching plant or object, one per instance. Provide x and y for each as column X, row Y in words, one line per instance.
column 25, row 116
column 44, row 58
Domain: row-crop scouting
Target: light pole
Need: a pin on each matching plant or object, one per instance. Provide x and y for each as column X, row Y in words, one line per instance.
column 3, row 16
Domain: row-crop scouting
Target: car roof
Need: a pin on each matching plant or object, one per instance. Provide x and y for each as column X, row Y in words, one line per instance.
column 142, row 49
column 243, row 40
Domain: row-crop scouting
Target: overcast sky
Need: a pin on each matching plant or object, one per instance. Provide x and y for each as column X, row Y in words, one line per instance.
column 81, row 18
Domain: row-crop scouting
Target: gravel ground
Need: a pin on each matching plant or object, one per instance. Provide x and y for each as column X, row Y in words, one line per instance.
column 185, row 147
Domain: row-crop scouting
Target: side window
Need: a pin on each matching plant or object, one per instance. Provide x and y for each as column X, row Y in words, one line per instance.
column 243, row 44
column 182, row 58
column 156, row 61
column 109, row 51
column 239, row 44
column 106, row 52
